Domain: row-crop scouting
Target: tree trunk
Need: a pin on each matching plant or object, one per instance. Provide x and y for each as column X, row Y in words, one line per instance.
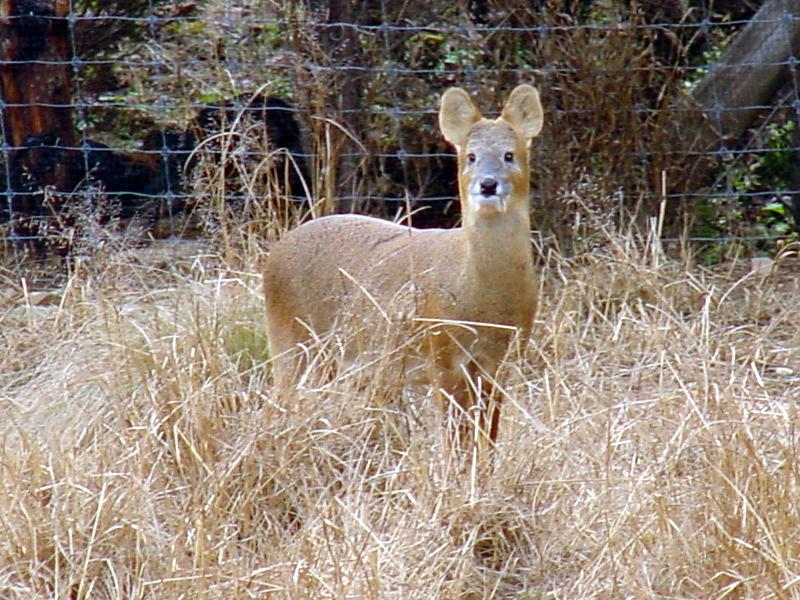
column 726, row 102
column 36, row 88
column 342, row 46
column 794, row 177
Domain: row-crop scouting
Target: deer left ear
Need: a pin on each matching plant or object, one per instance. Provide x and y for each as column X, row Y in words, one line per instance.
column 523, row 111
column 457, row 115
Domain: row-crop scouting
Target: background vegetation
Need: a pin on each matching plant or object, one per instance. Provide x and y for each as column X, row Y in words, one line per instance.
column 364, row 78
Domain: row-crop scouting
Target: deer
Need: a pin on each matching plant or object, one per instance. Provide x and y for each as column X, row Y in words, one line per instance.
column 469, row 292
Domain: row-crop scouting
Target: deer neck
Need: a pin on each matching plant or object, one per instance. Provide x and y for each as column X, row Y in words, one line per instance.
column 498, row 247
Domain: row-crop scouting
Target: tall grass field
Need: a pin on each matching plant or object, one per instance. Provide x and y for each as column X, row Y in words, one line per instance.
column 649, row 442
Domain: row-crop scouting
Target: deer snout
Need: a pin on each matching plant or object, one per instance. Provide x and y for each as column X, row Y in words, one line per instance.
column 488, row 186
column 489, row 192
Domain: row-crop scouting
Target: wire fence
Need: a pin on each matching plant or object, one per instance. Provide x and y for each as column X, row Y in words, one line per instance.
column 162, row 120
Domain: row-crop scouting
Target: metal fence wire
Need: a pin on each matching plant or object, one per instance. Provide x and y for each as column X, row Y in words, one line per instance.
column 161, row 119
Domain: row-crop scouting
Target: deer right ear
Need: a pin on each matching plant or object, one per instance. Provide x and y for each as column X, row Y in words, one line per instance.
column 523, row 111
column 457, row 116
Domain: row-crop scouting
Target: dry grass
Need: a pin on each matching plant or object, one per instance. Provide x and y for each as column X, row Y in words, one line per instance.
column 648, row 445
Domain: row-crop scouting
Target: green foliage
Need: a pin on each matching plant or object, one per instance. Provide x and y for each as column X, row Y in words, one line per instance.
column 773, row 168
column 755, row 205
column 700, row 64
column 246, row 344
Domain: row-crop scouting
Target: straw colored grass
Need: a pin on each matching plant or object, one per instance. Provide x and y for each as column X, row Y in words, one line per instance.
column 648, row 445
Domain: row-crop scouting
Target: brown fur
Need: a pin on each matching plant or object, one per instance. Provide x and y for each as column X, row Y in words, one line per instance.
column 469, row 291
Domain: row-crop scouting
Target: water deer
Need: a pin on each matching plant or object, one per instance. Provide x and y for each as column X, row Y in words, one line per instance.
column 468, row 293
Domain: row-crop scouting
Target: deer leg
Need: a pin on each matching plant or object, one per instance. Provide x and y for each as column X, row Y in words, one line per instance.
column 494, row 425
column 468, row 398
column 453, row 394
column 488, row 401
column 288, row 362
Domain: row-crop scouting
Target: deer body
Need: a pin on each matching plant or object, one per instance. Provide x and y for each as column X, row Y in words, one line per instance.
column 467, row 292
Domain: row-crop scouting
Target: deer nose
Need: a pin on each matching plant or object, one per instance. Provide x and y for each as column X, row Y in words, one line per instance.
column 488, row 186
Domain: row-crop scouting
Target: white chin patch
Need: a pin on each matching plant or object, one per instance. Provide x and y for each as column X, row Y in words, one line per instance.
column 489, row 203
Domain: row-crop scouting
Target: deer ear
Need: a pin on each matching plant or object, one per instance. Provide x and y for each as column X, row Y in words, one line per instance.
column 457, row 116
column 523, row 111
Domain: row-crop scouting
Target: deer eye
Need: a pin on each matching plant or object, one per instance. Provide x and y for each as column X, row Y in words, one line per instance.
column 508, row 157
column 471, row 157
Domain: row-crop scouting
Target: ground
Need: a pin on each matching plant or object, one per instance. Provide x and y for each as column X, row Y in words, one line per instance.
column 648, row 443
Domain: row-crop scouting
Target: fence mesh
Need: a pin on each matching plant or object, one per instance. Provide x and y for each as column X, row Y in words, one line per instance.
column 161, row 119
